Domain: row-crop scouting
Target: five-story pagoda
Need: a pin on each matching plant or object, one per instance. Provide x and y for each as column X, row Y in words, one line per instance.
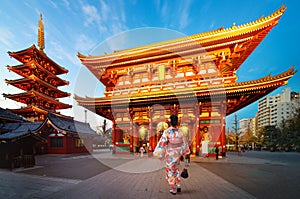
column 39, row 80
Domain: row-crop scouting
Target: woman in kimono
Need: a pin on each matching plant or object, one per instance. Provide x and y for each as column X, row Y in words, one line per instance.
column 171, row 146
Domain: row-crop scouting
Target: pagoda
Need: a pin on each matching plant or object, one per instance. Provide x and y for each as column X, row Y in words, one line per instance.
column 39, row 81
column 193, row 77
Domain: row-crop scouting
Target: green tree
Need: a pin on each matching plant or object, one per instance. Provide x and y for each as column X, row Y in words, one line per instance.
column 272, row 136
column 104, row 132
column 291, row 132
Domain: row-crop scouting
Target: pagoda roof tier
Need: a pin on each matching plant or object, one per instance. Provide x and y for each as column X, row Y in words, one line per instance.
column 34, row 97
column 237, row 95
column 33, row 82
column 30, row 111
column 34, row 54
column 227, row 47
column 25, row 70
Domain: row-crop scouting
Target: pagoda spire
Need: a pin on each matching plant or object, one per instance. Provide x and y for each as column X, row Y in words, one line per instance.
column 41, row 40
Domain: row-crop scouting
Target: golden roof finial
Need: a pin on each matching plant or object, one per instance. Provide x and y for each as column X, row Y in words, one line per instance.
column 41, row 40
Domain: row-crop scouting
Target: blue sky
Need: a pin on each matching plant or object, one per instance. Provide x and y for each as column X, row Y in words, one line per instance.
column 73, row 26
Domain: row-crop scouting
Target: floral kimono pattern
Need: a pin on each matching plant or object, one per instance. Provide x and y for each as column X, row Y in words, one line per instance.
column 170, row 147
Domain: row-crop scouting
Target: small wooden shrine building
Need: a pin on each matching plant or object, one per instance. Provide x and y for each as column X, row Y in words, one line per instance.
column 193, row 77
column 21, row 140
column 17, row 140
column 65, row 135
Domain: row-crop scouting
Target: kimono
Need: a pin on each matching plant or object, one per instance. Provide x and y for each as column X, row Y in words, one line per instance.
column 170, row 147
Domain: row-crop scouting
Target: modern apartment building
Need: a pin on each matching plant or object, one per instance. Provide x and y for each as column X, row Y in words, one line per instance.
column 244, row 125
column 248, row 124
column 273, row 110
column 267, row 110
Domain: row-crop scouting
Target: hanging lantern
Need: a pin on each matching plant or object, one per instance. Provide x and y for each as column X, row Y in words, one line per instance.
column 185, row 130
column 143, row 132
column 161, row 126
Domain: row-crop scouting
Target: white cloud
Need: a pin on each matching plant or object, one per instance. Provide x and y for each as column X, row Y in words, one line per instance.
column 67, row 4
column 104, row 10
column 83, row 43
column 53, row 4
column 6, row 37
column 109, row 18
column 164, row 10
column 175, row 13
column 91, row 14
column 184, row 10
column 60, row 53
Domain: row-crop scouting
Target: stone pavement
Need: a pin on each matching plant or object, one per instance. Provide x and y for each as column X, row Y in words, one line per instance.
column 135, row 178
column 21, row 186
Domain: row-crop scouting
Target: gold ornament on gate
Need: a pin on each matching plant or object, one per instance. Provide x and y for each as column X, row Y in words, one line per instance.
column 143, row 132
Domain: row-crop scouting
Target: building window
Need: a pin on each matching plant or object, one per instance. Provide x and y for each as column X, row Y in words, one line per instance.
column 56, row 142
column 79, row 143
column 161, row 72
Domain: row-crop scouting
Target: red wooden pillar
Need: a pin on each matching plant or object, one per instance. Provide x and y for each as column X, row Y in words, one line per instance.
column 223, row 136
column 114, row 133
column 135, row 138
column 197, row 130
column 152, row 133
column 131, row 136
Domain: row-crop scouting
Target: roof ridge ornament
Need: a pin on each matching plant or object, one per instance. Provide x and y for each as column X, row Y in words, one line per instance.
column 41, row 37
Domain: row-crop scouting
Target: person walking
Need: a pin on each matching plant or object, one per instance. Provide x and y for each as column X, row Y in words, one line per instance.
column 142, row 150
column 171, row 146
column 217, row 152
column 187, row 160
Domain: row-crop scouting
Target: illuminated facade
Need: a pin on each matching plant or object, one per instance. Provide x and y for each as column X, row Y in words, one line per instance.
column 193, row 77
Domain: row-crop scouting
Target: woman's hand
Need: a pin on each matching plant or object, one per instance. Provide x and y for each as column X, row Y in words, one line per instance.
column 181, row 158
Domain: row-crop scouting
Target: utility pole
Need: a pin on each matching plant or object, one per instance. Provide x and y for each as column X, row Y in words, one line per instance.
column 85, row 115
column 235, row 128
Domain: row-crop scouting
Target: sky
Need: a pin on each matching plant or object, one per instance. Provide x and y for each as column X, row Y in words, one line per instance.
column 85, row 26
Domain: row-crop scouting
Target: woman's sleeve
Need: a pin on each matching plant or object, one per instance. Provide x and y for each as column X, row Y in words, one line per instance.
column 160, row 149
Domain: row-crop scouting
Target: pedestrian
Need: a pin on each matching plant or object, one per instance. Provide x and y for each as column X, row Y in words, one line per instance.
column 239, row 150
column 150, row 152
column 187, row 159
column 142, row 150
column 171, row 146
column 217, row 152
column 136, row 150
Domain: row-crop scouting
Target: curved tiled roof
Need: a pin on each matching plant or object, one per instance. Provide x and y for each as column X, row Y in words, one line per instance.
column 34, row 94
column 223, row 33
column 252, row 89
column 17, row 130
column 70, row 125
column 6, row 115
column 20, row 129
column 32, row 49
column 32, row 79
column 19, row 69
